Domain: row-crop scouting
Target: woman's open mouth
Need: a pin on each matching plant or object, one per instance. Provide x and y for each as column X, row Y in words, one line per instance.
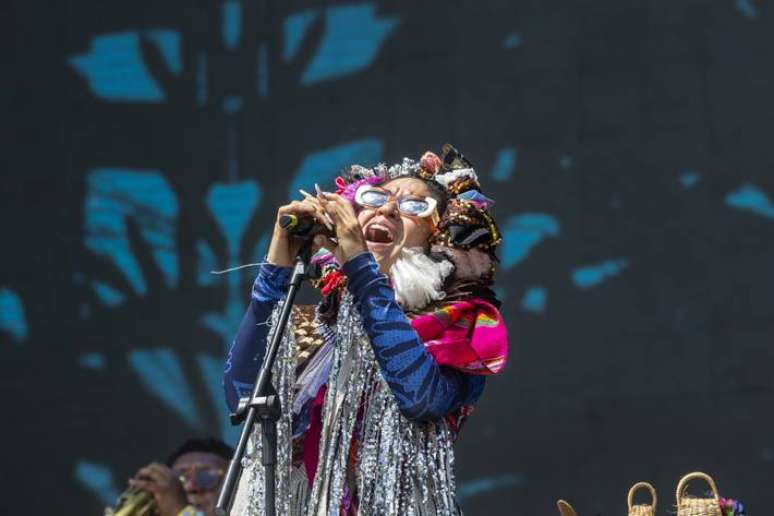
column 378, row 234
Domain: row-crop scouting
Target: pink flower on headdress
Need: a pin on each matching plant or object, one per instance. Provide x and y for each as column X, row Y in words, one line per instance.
column 341, row 185
column 349, row 191
column 430, row 162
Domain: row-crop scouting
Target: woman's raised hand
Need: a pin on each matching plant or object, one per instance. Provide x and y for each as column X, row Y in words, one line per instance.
column 284, row 246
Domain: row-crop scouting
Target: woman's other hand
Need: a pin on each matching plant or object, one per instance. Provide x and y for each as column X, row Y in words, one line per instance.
column 349, row 233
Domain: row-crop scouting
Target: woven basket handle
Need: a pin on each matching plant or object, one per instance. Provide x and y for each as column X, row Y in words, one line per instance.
column 565, row 509
column 683, row 484
column 638, row 486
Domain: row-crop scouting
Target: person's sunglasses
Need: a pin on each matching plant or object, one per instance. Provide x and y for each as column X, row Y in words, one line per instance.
column 205, row 478
column 368, row 196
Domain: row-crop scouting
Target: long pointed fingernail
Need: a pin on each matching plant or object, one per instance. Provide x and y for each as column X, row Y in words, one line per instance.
column 306, row 194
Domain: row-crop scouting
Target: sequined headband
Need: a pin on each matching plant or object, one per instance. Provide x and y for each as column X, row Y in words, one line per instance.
column 466, row 223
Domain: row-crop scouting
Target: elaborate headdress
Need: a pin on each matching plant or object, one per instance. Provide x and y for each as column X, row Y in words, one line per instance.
column 466, row 234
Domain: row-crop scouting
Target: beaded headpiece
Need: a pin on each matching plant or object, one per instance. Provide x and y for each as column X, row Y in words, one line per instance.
column 466, row 233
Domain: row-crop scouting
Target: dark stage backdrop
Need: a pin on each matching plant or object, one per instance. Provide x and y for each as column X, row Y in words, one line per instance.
column 628, row 145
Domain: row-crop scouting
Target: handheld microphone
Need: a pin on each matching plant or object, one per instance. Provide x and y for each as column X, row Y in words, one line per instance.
column 303, row 226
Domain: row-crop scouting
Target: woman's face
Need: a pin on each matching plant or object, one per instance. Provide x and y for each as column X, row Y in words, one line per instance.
column 387, row 232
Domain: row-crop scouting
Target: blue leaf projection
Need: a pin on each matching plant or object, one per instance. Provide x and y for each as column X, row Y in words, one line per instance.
column 566, row 162
column 162, row 375
column 98, row 479
column 535, row 300
column 12, row 318
column 115, row 194
column 211, row 369
column 521, row 233
column 107, row 294
column 294, row 30
column 232, row 205
column 323, row 166
column 746, row 8
column 95, row 361
column 168, row 43
column 487, row 484
column 689, row 178
column 353, row 36
column 232, row 103
column 751, row 198
column 115, row 70
column 505, row 164
column 206, row 262
column 512, row 40
column 588, row 276
column 231, row 12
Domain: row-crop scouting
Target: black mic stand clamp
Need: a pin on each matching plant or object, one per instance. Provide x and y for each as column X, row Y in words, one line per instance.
column 263, row 405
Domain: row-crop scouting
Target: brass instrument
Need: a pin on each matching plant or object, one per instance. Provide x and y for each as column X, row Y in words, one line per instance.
column 134, row 502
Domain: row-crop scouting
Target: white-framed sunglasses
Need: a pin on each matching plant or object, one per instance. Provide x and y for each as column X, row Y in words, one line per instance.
column 369, row 196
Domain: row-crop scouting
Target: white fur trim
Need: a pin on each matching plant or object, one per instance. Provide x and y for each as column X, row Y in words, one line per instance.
column 417, row 279
column 449, row 177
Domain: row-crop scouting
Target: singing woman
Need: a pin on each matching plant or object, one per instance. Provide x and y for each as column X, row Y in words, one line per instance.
column 376, row 379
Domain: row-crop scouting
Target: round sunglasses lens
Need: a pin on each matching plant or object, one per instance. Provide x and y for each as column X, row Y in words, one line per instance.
column 413, row 206
column 207, row 478
column 374, row 197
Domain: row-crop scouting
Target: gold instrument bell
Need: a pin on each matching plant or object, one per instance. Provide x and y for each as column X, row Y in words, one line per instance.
column 134, row 502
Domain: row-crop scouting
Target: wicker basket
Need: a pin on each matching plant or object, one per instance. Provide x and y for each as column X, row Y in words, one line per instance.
column 642, row 509
column 691, row 506
column 565, row 509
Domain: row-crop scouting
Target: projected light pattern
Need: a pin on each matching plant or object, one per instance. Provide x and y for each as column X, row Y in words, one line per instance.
column 689, row 179
column 353, row 36
column 114, row 197
column 752, row 199
column 746, row 8
column 589, row 276
column 505, row 165
column 535, row 300
column 485, row 485
column 115, row 70
column 98, row 479
column 295, row 28
column 521, row 233
column 161, row 372
column 324, row 165
column 95, row 361
column 12, row 320
column 231, row 11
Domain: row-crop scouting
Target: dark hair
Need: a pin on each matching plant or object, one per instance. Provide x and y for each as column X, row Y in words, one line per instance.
column 208, row 445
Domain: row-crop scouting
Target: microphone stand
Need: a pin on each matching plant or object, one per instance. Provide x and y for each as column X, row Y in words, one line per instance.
column 262, row 405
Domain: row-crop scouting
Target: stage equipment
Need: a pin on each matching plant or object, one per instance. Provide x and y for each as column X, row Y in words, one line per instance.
column 261, row 404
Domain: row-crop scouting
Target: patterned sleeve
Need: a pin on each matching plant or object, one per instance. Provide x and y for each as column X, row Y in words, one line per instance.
column 423, row 389
column 246, row 354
